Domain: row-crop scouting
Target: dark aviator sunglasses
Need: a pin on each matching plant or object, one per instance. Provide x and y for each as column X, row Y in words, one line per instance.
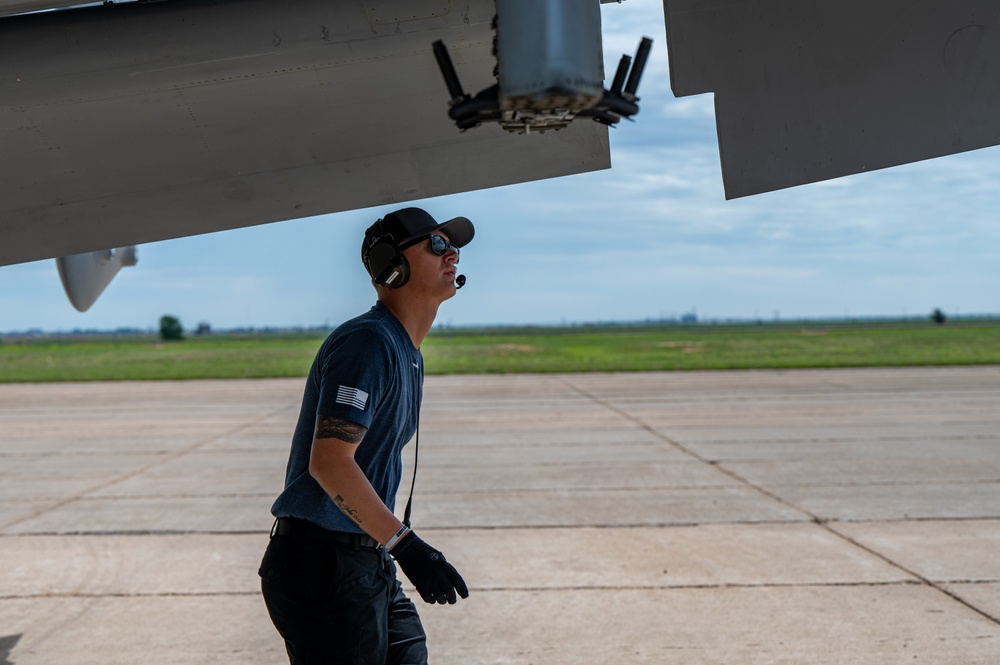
column 438, row 244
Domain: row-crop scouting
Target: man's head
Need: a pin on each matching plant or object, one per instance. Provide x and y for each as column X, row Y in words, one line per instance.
column 382, row 250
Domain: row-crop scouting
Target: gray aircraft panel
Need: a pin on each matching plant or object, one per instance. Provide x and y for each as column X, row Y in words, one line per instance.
column 134, row 123
column 807, row 90
column 9, row 7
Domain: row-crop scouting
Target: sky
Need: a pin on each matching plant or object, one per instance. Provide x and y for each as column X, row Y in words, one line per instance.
column 651, row 238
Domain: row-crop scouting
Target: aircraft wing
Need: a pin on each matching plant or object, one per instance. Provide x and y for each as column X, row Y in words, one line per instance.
column 807, row 90
column 131, row 123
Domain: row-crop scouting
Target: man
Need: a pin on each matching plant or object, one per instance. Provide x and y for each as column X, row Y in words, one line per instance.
column 327, row 577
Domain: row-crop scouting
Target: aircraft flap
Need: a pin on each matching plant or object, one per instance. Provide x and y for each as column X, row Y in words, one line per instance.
column 807, row 90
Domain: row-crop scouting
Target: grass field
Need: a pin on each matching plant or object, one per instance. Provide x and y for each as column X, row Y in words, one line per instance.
column 581, row 349
column 641, row 349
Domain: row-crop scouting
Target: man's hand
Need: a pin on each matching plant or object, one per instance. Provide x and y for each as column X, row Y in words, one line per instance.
column 436, row 580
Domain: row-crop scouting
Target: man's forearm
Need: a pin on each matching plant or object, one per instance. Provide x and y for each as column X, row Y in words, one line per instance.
column 342, row 479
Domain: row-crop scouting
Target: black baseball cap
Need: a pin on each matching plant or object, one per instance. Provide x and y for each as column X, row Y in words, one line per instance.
column 408, row 224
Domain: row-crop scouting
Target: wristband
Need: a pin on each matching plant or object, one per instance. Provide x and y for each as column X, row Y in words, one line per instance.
column 396, row 537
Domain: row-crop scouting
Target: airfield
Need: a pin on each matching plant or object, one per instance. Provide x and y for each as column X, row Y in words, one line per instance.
column 754, row 517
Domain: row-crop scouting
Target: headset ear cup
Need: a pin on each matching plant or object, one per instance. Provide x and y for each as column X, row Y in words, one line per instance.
column 387, row 266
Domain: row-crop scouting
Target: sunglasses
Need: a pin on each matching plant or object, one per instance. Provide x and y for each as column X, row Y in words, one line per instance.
column 439, row 245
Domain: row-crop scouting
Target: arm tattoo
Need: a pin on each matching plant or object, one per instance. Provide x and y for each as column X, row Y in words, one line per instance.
column 347, row 510
column 338, row 428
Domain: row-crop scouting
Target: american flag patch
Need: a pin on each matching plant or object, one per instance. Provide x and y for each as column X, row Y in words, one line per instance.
column 352, row 397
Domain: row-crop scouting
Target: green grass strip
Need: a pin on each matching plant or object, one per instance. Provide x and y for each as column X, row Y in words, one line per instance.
column 639, row 350
column 99, row 360
column 535, row 350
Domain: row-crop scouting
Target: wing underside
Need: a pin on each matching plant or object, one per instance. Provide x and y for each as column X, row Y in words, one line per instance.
column 132, row 123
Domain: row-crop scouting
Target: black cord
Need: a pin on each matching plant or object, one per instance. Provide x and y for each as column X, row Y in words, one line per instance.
column 416, row 453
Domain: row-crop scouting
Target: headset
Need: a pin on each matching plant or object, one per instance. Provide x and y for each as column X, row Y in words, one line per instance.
column 385, row 263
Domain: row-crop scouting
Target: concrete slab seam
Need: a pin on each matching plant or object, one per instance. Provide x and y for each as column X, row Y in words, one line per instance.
column 497, row 589
column 693, row 455
column 163, row 459
column 823, row 523
column 163, row 594
column 924, row 580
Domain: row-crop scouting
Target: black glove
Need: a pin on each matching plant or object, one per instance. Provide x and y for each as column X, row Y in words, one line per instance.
column 435, row 579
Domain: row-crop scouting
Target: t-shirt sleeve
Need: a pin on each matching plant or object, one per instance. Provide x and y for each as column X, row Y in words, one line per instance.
column 355, row 374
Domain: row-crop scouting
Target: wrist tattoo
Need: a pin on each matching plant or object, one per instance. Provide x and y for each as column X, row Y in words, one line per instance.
column 338, row 428
column 347, row 510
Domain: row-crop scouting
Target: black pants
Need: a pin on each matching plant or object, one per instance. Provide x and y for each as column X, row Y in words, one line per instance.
column 335, row 603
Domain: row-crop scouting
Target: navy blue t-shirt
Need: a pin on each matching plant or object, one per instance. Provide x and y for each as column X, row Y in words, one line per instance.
column 368, row 372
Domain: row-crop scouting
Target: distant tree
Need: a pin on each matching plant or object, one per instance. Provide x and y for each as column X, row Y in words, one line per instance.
column 938, row 317
column 170, row 328
column 204, row 328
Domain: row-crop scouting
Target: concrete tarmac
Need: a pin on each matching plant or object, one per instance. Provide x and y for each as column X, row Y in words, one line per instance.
column 766, row 517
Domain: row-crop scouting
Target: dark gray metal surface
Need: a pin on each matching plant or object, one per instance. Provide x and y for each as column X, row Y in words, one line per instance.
column 808, row 90
column 133, row 123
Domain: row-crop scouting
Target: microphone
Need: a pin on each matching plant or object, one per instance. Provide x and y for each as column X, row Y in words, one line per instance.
column 460, row 281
